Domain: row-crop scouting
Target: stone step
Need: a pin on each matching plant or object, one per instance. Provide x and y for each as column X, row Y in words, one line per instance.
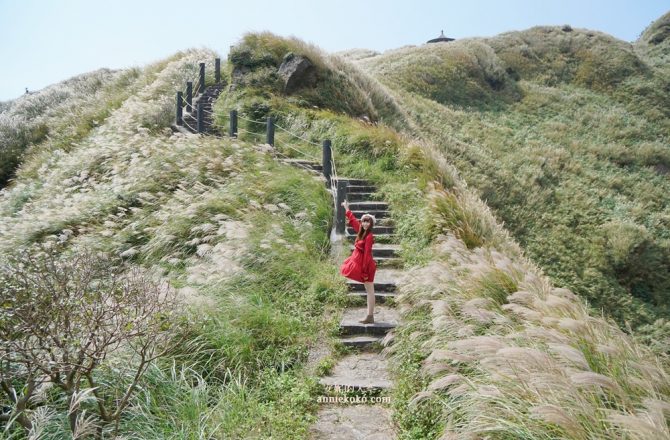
column 311, row 167
column 194, row 113
column 211, row 88
column 386, row 318
column 193, row 122
column 378, row 214
column 194, row 117
column 385, row 232
column 362, row 196
column 353, row 421
column 356, row 182
column 382, row 250
column 380, row 297
column 385, row 286
column 358, row 372
column 303, row 164
column 377, row 230
column 360, row 341
column 368, row 206
column 355, row 189
column 386, row 276
column 388, row 262
column 379, row 238
column 380, row 286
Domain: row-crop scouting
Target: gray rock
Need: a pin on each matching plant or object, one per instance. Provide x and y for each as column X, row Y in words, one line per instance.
column 353, row 422
column 359, row 371
column 237, row 76
column 296, row 71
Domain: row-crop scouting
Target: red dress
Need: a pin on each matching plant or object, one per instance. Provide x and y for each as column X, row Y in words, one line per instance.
column 360, row 266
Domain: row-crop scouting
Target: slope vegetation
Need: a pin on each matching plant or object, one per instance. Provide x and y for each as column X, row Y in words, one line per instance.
column 563, row 132
column 222, row 221
column 491, row 346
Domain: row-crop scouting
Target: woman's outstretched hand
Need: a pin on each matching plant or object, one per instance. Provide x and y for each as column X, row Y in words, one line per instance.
column 346, row 205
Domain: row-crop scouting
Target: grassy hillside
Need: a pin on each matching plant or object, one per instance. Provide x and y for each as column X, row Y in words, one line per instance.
column 245, row 240
column 225, row 224
column 563, row 132
column 60, row 114
column 474, row 305
column 654, row 43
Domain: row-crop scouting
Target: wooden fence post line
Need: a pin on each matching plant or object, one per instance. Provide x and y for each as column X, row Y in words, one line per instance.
column 327, row 162
column 189, row 96
column 217, row 70
column 271, row 131
column 339, row 211
column 180, row 103
column 233, row 123
column 201, row 86
column 201, row 119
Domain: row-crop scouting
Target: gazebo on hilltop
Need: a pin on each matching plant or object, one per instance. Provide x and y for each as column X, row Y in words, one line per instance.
column 440, row 39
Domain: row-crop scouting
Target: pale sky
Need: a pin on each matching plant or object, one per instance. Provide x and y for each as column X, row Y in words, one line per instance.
column 43, row 42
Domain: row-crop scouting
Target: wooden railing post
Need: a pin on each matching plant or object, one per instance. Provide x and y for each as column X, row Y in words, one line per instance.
column 341, row 196
column 233, row 123
column 217, row 70
column 180, row 103
column 270, row 131
column 201, row 119
column 327, row 162
column 189, row 96
column 201, row 86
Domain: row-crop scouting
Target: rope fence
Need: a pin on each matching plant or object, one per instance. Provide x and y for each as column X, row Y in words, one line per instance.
column 251, row 120
column 306, row 155
column 295, row 135
column 197, row 112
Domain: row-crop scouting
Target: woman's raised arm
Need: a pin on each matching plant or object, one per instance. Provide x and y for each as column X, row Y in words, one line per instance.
column 353, row 220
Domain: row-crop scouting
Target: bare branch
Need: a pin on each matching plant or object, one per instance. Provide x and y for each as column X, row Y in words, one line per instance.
column 67, row 313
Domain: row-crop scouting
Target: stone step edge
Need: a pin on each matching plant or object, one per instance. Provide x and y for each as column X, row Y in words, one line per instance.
column 360, row 340
column 380, row 297
column 379, row 286
column 378, row 328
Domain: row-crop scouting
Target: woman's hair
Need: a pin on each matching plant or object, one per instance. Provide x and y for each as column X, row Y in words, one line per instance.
column 362, row 232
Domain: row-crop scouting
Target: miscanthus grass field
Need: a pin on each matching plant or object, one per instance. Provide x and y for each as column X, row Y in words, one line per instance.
column 527, row 179
column 564, row 133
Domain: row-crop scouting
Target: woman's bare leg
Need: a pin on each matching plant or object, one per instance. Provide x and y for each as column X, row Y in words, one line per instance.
column 370, row 290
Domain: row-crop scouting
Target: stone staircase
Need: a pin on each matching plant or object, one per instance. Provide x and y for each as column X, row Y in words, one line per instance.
column 207, row 98
column 362, row 372
column 361, row 195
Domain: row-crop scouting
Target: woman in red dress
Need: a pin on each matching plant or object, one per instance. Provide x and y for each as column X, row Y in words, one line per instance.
column 360, row 266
